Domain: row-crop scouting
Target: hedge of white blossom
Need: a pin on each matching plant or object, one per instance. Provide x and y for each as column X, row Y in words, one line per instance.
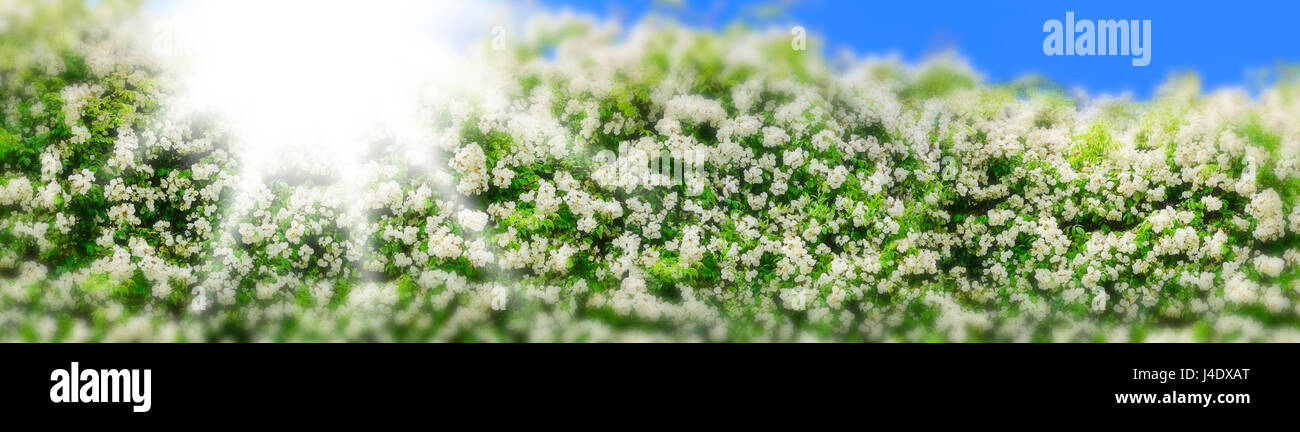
column 858, row 200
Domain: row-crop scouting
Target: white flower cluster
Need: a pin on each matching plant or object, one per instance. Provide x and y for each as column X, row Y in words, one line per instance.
column 469, row 162
column 119, row 202
column 879, row 202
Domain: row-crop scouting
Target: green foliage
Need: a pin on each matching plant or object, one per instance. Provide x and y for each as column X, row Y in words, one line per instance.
column 1092, row 146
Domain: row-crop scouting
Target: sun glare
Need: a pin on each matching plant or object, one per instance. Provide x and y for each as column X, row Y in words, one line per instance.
column 318, row 80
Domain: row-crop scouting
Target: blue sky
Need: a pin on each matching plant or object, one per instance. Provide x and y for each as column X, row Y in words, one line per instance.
column 1225, row 43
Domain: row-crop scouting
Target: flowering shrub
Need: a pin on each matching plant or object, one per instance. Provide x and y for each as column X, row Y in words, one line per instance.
column 870, row 201
column 108, row 196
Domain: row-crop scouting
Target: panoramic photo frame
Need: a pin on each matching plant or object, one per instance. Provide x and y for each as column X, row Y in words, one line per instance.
column 187, row 171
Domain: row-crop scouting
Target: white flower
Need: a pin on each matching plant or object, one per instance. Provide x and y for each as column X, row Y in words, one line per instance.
column 499, row 297
column 123, row 214
column 295, row 232
column 1266, row 207
column 1099, row 302
column 387, row 195
column 1239, row 289
column 695, row 109
column 1269, row 266
column 501, row 176
column 837, row 177
column 472, row 220
column 443, row 244
column 545, row 200
column 774, row 137
column 794, row 157
column 82, row 182
column 824, row 140
column 1211, row 203
column 50, row 164
column 471, row 163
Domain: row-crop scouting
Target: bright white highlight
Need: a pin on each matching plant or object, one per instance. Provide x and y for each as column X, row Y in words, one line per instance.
column 311, row 88
column 319, row 79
